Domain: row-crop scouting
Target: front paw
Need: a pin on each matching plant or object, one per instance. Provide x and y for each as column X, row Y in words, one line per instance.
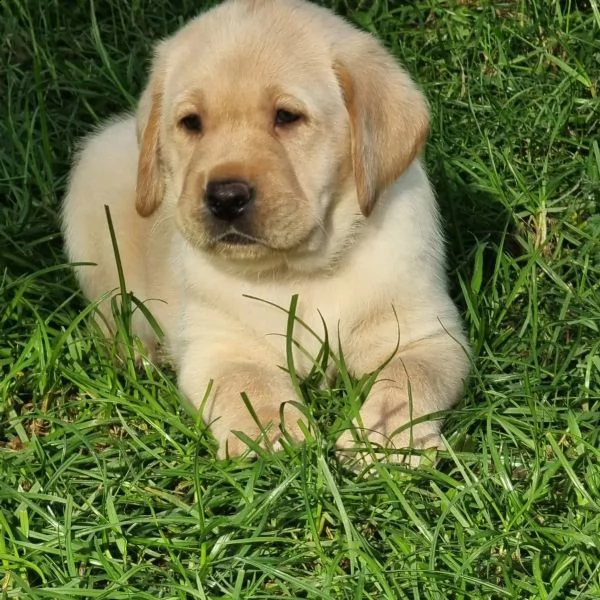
column 265, row 424
column 384, row 432
column 267, row 411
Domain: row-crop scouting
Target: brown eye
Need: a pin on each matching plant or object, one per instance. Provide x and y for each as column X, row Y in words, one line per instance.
column 191, row 123
column 285, row 117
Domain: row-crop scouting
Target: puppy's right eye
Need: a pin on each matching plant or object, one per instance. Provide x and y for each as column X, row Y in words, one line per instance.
column 191, row 123
column 286, row 117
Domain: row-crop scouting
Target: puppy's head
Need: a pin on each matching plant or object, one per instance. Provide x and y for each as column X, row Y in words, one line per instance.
column 262, row 119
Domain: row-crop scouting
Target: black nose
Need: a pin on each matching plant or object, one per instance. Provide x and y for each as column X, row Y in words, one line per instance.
column 228, row 199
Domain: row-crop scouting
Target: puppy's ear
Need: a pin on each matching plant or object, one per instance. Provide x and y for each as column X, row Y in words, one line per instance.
column 389, row 118
column 150, row 184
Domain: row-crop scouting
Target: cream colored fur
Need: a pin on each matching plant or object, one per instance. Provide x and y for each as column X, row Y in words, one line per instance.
column 344, row 216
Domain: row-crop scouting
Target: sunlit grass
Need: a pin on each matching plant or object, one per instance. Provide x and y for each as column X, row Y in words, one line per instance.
column 110, row 489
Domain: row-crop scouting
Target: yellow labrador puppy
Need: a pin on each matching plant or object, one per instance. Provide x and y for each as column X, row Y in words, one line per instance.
column 275, row 152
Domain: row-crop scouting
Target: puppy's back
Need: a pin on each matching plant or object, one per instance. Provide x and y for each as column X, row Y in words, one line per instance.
column 104, row 174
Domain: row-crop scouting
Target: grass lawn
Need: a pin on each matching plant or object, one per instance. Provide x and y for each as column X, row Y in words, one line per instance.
column 109, row 489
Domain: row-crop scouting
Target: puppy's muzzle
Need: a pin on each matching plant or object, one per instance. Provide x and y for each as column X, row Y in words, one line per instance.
column 228, row 199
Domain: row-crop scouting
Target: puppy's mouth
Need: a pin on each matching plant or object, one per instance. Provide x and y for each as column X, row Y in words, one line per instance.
column 236, row 238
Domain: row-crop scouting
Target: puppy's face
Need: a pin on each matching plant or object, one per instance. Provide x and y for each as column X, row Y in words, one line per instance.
column 261, row 118
column 253, row 144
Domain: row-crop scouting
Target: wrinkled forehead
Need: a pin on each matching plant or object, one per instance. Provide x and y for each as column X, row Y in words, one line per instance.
column 250, row 60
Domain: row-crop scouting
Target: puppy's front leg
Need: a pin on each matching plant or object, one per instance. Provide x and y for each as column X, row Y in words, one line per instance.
column 424, row 378
column 234, row 369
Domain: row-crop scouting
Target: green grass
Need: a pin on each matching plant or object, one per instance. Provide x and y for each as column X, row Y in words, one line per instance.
column 108, row 489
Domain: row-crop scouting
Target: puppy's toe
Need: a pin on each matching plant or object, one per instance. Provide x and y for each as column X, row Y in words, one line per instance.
column 267, row 433
column 359, row 448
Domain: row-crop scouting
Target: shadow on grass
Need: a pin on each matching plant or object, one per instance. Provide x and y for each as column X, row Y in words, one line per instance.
column 471, row 218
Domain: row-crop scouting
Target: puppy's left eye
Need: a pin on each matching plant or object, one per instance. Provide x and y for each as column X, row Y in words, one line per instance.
column 285, row 117
column 191, row 123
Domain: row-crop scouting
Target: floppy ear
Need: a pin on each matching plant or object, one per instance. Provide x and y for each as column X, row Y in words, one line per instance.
column 150, row 183
column 389, row 118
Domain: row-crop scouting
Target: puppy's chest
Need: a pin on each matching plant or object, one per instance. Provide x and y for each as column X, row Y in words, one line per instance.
column 309, row 315
column 269, row 312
